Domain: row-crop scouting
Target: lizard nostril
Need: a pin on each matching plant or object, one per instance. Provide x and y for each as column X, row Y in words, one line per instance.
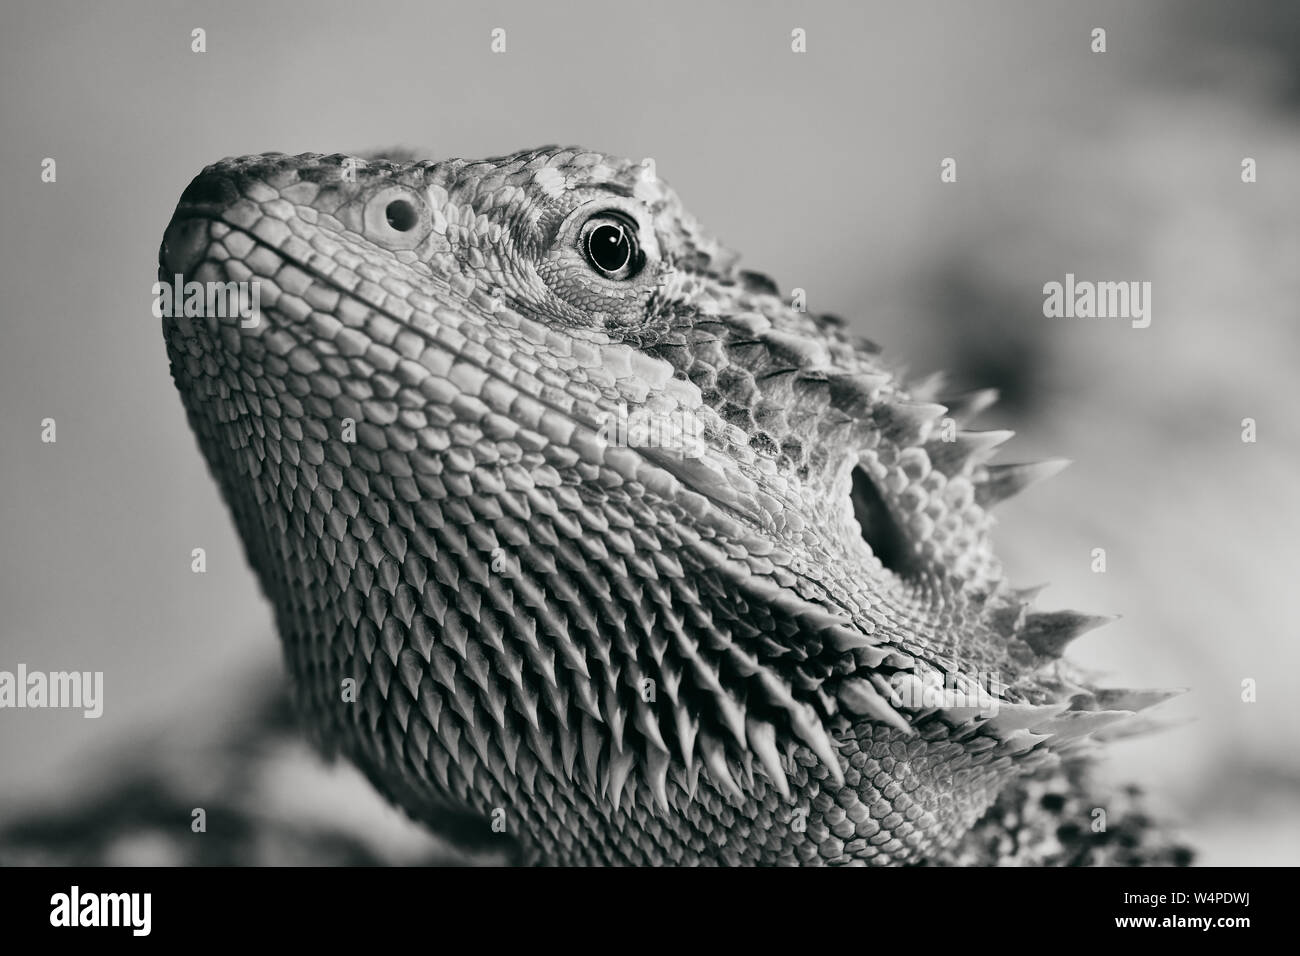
column 401, row 215
column 396, row 216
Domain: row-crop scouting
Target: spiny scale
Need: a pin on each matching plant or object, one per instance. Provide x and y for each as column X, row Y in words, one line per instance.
column 627, row 651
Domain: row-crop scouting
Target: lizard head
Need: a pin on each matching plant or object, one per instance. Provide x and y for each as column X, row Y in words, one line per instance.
column 515, row 440
column 590, row 265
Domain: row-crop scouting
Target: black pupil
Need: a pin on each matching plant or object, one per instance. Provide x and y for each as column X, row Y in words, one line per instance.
column 609, row 247
column 401, row 215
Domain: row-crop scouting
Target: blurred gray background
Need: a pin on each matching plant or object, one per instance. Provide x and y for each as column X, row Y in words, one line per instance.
column 823, row 169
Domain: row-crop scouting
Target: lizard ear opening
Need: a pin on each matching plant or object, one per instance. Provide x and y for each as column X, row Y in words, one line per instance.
column 879, row 529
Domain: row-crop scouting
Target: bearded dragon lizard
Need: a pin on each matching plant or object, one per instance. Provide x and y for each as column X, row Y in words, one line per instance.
column 576, row 531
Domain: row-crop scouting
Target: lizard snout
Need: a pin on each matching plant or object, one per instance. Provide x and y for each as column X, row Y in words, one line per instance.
column 184, row 244
column 188, row 235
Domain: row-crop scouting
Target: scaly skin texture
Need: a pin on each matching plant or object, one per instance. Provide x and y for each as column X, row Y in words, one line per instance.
column 617, row 646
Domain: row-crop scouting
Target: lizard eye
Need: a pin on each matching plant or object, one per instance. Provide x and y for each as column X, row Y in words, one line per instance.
column 601, row 262
column 609, row 242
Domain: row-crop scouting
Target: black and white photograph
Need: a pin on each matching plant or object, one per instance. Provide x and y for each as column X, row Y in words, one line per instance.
column 676, row 434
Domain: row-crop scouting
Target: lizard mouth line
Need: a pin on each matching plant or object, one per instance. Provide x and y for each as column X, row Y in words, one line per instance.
column 186, row 246
column 880, row 531
column 195, row 254
column 182, row 257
